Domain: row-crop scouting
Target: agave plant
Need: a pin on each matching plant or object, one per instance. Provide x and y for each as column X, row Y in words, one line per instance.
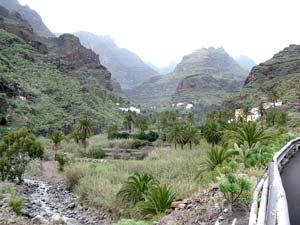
column 157, row 200
column 136, row 186
column 215, row 157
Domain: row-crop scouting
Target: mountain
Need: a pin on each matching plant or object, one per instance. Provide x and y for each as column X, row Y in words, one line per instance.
column 205, row 77
column 49, row 83
column 280, row 73
column 163, row 70
column 126, row 67
column 30, row 15
column 245, row 62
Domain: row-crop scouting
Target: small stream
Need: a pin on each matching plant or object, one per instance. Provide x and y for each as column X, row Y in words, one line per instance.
column 45, row 199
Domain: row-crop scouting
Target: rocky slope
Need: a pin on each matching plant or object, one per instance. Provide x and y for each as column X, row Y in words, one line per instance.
column 205, row 77
column 245, row 62
column 281, row 73
column 30, row 15
column 50, row 82
column 126, row 67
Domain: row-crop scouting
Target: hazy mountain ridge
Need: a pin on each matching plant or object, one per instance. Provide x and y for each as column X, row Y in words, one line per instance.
column 245, row 62
column 126, row 67
column 211, row 68
column 49, row 82
column 33, row 18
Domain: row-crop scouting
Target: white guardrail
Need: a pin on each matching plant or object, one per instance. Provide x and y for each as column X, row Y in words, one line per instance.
column 269, row 204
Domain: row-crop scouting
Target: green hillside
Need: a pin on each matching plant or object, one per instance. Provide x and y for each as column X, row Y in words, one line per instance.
column 44, row 91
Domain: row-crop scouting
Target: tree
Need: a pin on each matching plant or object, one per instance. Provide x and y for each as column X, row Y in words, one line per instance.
column 128, row 121
column 248, row 132
column 262, row 113
column 191, row 135
column 215, row 157
column 17, row 149
column 273, row 97
column 83, row 131
column 212, row 133
column 246, row 113
column 56, row 139
column 141, row 123
column 271, row 116
column 175, row 135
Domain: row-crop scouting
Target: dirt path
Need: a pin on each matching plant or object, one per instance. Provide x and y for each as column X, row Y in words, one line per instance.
column 49, row 172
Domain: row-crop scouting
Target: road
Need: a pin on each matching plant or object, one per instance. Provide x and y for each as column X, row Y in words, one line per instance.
column 291, row 183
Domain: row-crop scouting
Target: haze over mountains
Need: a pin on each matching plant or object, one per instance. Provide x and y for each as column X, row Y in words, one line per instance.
column 126, row 67
column 206, row 77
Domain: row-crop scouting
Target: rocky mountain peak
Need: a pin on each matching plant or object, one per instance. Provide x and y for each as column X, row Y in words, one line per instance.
column 283, row 63
column 28, row 14
column 210, row 61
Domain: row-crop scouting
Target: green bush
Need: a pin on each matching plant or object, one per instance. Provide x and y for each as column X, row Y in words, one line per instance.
column 151, row 136
column 96, row 153
column 215, row 157
column 73, row 175
column 233, row 188
column 17, row 148
column 138, row 144
column 118, row 135
column 16, row 204
column 62, row 161
column 130, row 222
column 157, row 200
column 136, row 186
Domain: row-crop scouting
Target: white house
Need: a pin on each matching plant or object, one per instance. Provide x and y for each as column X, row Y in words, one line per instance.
column 132, row 109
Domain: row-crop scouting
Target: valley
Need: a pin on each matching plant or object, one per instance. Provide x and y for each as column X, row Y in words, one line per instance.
column 92, row 133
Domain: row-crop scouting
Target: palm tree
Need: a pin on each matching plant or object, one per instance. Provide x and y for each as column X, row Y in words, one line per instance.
column 84, row 130
column 249, row 132
column 215, row 157
column 56, row 139
column 128, row 121
column 212, row 133
column 262, row 112
column 191, row 135
column 175, row 135
column 247, row 112
column 273, row 97
column 136, row 186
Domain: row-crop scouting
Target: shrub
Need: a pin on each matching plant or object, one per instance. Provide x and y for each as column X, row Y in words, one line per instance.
column 96, row 153
column 157, row 200
column 73, row 175
column 138, row 144
column 118, row 135
column 62, row 161
column 233, row 188
column 215, row 157
column 16, row 204
column 136, row 186
column 130, row 222
column 151, row 136
column 17, row 148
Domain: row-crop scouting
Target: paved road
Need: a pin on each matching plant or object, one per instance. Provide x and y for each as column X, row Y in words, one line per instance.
column 291, row 184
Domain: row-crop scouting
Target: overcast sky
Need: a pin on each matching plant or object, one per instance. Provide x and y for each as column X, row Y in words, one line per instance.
column 163, row 30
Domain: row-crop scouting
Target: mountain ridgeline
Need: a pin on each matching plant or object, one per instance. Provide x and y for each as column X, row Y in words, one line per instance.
column 280, row 73
column 245, row 62
column 49, row 83
column 126, row 67
column 204, row 78
column 28, row 14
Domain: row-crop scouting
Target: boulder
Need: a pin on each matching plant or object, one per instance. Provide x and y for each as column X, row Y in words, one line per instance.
column 39, row 220
column 57, row 219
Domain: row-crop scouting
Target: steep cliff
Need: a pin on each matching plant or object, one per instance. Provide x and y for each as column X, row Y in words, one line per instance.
column 58, row 79
column 126, row 67
column 33, row 18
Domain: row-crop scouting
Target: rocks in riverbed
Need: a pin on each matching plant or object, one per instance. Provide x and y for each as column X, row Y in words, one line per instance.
column 57, row 205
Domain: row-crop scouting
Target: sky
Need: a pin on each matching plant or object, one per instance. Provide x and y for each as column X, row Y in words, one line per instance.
column 160, row 31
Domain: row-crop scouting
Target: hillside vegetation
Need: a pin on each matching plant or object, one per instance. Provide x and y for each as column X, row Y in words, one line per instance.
column 52, row 90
